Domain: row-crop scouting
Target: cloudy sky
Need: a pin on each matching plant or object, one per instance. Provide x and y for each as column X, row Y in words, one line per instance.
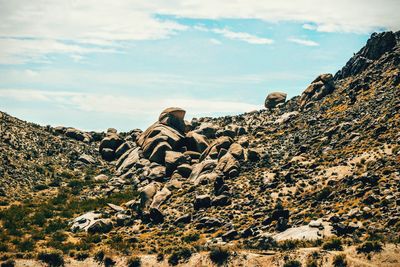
column 99, row 64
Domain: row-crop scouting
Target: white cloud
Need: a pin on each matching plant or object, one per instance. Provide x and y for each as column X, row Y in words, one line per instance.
column 303, row 42
column 124, row 105
column 243, row 36
column 48, row 26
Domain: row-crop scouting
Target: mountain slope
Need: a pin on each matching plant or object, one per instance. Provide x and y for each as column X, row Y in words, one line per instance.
column 319, row 167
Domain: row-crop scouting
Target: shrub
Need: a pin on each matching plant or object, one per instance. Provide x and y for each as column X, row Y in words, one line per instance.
column 324, row 193
column 191, row 237
column 340, row 261
column 8, row 263
column 99, row 256
column 108, row 261
column 292, row 263
column 134, row 261
column 333, row 244
column 81, row 255
column 53, row 258
column 369, row 246
column 179, row 255
column 26, row 245
column 219, row 255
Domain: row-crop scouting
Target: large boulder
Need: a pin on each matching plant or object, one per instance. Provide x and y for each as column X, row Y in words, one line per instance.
column 196, row 142
column 228, row 165
column 174, row 159
column 223, row 142
column 147, row 193
column 275, row 98
column 319, row 88
column 165, row 135
column 77, row 135
column 109, row 145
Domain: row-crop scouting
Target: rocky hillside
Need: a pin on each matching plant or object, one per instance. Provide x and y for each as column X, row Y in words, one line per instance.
column 319, row 171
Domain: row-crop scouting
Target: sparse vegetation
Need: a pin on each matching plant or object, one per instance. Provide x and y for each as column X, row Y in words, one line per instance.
column 180, row 255
column 134, row 261
column 339, row 260
column 53, row 258
column 219, row 255
column 369, row 246
column 333, row 244
column 292, row 263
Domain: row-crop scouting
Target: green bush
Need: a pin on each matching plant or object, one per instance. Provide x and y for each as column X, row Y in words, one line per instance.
column 53, row 258
column 292, row 263
column 369, row 246
column 134, row 261
column 333, row 244
column 219, row 255
column 340, row 261
column 191, row 237
column 8, row 263
column 179, row 255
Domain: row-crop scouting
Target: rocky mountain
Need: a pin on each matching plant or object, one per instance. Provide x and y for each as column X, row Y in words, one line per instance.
column 288, row 185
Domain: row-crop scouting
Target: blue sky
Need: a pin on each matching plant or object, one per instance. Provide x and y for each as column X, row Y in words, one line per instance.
column 98, row 65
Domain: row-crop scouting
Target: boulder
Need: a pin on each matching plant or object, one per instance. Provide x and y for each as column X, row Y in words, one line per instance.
column 107, row 154
column 207, row 129
column 213, row 149
column 131, row 158
column 123, row 148
column 229, row 165
column 147, row 193
column 87, row 159
column 156, row 215
column 237, row 151
column 184, row 170
column 196, row 142
column 112, row 141
column 275, row 98
column 222, row 200
column 173, row 117
column 100, row 226
column 174, row 159
column 83, row 222
column 202, row 201
column 78, row 135
column 184, row 219
column 160, row 197
column 164, row 135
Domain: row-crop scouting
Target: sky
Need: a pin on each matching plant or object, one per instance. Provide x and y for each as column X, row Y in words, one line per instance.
column 97, row 64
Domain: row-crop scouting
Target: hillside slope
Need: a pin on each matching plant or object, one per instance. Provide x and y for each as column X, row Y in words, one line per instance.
column 321, row 166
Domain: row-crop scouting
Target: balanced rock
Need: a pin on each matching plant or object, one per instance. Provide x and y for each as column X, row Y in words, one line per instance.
column 275, row 98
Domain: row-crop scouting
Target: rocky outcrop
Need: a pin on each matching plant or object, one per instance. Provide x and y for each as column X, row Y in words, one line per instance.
column 318, row 89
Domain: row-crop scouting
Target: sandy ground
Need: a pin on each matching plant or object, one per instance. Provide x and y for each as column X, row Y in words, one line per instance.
column 389, row 257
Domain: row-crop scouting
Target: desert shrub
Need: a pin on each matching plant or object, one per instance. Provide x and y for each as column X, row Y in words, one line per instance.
column 26, row 245
column 191, row 237
column 134, row 261
column 340, row 260
column 108, row 261
column 99, row 256
column 81, row 255
column 292, row 263
column 219, row 255
column 369, row 246
column 324, row 193
column 53, row 258
column 8, row 263
column 40, row 187
column 289, row 244
column 179, row 255
column 333, row 244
